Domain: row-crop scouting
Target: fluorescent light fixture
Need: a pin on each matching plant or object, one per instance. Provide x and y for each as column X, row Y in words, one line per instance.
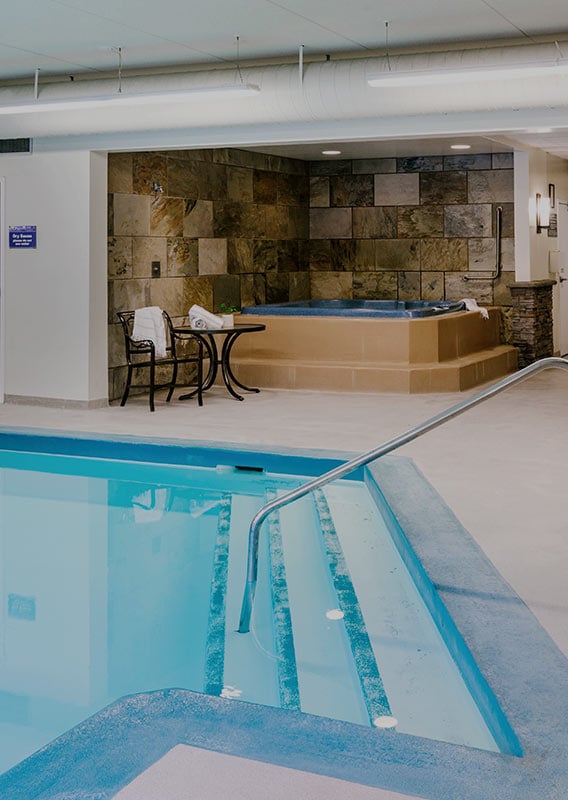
column 331, row 152
column 459, row 75
column 219, row 92
column 460, row 147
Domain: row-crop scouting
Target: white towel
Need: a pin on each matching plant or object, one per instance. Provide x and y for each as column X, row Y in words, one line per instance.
column 201, row 318
column 149, row 506
column 471, row 305
column 149, row 324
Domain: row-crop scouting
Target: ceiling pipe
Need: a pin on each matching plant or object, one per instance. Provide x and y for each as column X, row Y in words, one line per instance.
column 331, row 90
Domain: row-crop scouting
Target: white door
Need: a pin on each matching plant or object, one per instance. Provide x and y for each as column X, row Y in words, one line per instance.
column 563, row 276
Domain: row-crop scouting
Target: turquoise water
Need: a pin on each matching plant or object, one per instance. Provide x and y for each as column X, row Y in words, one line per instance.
column 119, row 577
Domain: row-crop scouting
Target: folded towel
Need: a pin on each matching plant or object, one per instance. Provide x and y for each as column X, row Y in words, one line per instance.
column 471, row 305
column 200, row 318
column 149, row 324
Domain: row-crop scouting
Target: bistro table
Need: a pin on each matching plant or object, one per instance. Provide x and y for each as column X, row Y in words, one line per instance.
column 207, row 336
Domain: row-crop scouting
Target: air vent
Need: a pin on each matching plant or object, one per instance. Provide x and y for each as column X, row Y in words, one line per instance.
column 15, row 146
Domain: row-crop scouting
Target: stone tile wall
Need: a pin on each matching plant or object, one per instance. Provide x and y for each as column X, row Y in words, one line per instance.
column 411, row 228
column 228, row 227
column 531, row 321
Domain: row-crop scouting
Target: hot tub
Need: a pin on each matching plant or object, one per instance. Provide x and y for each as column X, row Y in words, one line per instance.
column 358, row 308
column 371, row 346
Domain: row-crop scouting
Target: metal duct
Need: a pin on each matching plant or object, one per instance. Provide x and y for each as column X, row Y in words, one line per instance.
column 330, row 91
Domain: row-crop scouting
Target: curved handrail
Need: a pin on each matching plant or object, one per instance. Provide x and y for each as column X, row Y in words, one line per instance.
column 365, row 458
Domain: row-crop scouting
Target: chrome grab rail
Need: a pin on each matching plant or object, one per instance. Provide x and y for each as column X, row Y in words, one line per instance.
column 365, row 458
column 498, row 251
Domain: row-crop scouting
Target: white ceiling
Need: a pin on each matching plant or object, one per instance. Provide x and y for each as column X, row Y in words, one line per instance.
column 394, row 148
column 66, row 37
column 79, row 38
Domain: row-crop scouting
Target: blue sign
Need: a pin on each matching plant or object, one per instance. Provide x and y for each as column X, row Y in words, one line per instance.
column 21, row 236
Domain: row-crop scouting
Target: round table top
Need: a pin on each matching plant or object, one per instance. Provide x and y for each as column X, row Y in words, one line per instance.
column 238, row 328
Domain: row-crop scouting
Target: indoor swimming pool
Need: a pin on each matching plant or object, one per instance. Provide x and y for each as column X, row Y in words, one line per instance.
column 123, row 567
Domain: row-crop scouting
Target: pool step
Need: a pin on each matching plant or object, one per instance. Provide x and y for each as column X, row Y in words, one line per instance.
column 283, row 635
column 372, row 687
column 298, row 655
column 244, row 667
column 215, row 643
column 335, row 631
column 424, row 686
column 333, row 660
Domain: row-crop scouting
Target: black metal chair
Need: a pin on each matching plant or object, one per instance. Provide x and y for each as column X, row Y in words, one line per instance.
column 141, row 354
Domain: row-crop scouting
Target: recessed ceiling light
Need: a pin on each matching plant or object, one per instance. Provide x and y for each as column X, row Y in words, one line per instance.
column 331, row 152
column 460, row 147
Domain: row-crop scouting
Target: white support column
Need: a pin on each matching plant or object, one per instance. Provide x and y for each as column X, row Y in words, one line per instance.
column 522, row 216
column 56, row 297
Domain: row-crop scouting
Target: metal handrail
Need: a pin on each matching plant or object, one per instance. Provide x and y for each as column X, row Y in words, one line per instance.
column 365, row 458
column 498, row 251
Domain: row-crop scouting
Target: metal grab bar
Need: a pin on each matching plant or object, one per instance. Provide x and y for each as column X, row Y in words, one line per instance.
column 365, row 458
column 498, row 251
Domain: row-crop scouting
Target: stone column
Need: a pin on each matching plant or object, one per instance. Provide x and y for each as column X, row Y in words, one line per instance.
column 532, row 320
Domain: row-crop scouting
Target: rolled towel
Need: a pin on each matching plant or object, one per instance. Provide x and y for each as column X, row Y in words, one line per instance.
column 471, row 305
column 200, row 318
column 149, row 324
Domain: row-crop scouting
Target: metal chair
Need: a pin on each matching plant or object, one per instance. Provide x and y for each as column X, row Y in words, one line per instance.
column 141, row 354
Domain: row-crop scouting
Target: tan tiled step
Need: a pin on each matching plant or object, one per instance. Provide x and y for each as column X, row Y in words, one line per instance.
column 448, row 376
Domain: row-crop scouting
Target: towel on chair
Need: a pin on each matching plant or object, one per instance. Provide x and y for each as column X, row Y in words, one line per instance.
column 149, row 324
column 201, row 318
column 150, row 506
column 471, row 305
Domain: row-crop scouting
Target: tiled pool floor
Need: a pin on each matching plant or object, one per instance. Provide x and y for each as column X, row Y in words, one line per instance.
column 501, row 467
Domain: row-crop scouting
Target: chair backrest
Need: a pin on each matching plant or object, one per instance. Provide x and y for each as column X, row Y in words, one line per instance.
column 133, row 347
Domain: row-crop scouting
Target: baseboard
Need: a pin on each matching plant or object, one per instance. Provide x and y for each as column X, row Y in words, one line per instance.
column 54, row 402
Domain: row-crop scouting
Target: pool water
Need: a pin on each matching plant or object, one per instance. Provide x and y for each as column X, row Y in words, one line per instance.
column 121, row 576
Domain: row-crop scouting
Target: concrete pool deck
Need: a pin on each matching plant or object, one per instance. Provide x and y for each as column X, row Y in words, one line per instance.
column 501, row 468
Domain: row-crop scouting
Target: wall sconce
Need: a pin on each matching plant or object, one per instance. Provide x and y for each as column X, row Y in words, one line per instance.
column 542, row 212
column 552, row 195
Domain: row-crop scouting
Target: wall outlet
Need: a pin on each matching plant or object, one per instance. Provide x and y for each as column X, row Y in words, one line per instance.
column 156, row 269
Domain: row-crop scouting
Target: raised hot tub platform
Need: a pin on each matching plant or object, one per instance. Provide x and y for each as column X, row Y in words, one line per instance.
column 449, row 353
